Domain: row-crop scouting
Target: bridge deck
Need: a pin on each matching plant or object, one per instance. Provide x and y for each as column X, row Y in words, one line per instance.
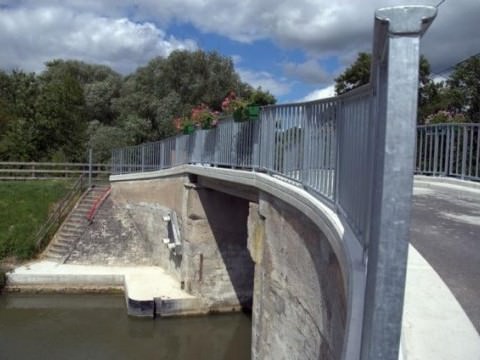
column 446, row 232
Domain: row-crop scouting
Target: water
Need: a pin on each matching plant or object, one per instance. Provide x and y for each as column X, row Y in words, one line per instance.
column 97, row 327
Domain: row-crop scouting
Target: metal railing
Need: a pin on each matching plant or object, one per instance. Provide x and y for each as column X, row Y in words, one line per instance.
column 355, row 152
column 321, row 145
column 449, row 150
column 61, row 210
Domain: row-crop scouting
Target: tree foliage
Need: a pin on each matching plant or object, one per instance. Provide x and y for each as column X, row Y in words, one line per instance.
column 464, row 88
column 453, row 100
column 355, row 75
column 72, row 105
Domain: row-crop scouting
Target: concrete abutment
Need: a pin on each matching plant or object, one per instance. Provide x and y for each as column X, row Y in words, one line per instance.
column 251, row 246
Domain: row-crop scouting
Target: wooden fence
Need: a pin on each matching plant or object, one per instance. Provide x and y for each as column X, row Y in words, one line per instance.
column 49, row 170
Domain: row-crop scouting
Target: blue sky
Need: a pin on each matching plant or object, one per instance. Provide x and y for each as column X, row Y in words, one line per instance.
column 293, row 49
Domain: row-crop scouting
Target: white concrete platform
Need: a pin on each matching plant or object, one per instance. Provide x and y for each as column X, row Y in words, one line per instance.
column 434, row 327
column 143, row 285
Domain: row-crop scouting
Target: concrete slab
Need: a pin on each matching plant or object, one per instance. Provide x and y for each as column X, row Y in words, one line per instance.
column 143, row 285
column 434, row 324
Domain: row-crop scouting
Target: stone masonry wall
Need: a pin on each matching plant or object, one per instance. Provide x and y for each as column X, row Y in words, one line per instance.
column 145, row 203
column 299, row 309
column 216, row 264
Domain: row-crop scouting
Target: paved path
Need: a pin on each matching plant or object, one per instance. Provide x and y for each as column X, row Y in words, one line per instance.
column 446, row 232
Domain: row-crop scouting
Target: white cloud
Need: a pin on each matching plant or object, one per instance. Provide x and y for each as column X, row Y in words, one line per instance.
column 309, row 72
column 324, row 93
column 31, row 37
column 320, row 28
column 265, row 80
column 237, row 59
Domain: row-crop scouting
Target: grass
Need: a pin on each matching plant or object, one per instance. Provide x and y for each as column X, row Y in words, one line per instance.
column 24, row 207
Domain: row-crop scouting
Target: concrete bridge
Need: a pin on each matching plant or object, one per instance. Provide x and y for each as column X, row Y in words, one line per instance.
column 303, row 215
column 325, row 188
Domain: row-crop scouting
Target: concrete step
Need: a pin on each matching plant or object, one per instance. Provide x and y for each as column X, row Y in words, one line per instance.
column 90, row 197
column 54, row 257
column 61, row 246
column 57, row 251
column 83, row 207
column 77, row 217
column 71, row 233
column 74, row 225
column 66, row 243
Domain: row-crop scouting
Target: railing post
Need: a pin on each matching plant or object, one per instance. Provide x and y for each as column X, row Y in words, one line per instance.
column 435, row 151
column 446, row 160
column 464, row 151
column 395, row 80
column 90, row 155
column 143, row 158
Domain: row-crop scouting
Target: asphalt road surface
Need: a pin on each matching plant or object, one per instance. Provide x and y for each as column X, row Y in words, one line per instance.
column 446, row 231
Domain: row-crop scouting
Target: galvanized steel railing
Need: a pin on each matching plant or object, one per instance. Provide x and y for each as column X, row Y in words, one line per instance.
column 449, row 150
column 354, row 152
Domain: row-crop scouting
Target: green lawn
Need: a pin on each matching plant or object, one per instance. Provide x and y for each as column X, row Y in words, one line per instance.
column 24, row 207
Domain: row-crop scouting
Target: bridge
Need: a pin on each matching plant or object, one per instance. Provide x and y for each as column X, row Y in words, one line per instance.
column 326, row 190
column 304, row 214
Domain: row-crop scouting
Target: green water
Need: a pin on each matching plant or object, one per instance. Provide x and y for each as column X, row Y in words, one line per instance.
column 97, row 327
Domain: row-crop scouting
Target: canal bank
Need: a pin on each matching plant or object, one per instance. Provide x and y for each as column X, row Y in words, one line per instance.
column 148, row 290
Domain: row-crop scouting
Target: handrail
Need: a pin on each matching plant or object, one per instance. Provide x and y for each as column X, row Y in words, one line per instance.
column 48, row 170
column 61, row 210
column 98, row 202
column 53, row 164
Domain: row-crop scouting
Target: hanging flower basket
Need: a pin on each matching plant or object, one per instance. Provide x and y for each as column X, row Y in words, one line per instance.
column 189, row 129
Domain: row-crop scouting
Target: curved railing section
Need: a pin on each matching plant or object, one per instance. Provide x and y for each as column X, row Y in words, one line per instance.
column 353, row 152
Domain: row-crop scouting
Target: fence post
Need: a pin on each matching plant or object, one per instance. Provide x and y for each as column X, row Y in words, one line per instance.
column 464, row 151
column 143, row 158
column 395, row 66
column 89, row 167
column 435, row 151
column 446, row 160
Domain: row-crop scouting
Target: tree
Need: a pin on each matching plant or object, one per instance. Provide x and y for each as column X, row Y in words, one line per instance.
column 60, row 119
column 169, row 88
column 99, row 83
column 261, row 98
column 354, row 76
column 102, row 139
column 18, row 95
column 464, row 88
column 431, row 96
column 358, row 74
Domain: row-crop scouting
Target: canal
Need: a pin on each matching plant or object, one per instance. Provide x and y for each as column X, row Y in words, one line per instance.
column 97, row 327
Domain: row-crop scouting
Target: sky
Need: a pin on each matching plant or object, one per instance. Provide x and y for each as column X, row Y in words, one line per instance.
column 294, row 49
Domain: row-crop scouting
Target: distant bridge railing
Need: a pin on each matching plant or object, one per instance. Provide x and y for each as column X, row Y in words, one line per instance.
column 354, row 152
column 449, row 150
